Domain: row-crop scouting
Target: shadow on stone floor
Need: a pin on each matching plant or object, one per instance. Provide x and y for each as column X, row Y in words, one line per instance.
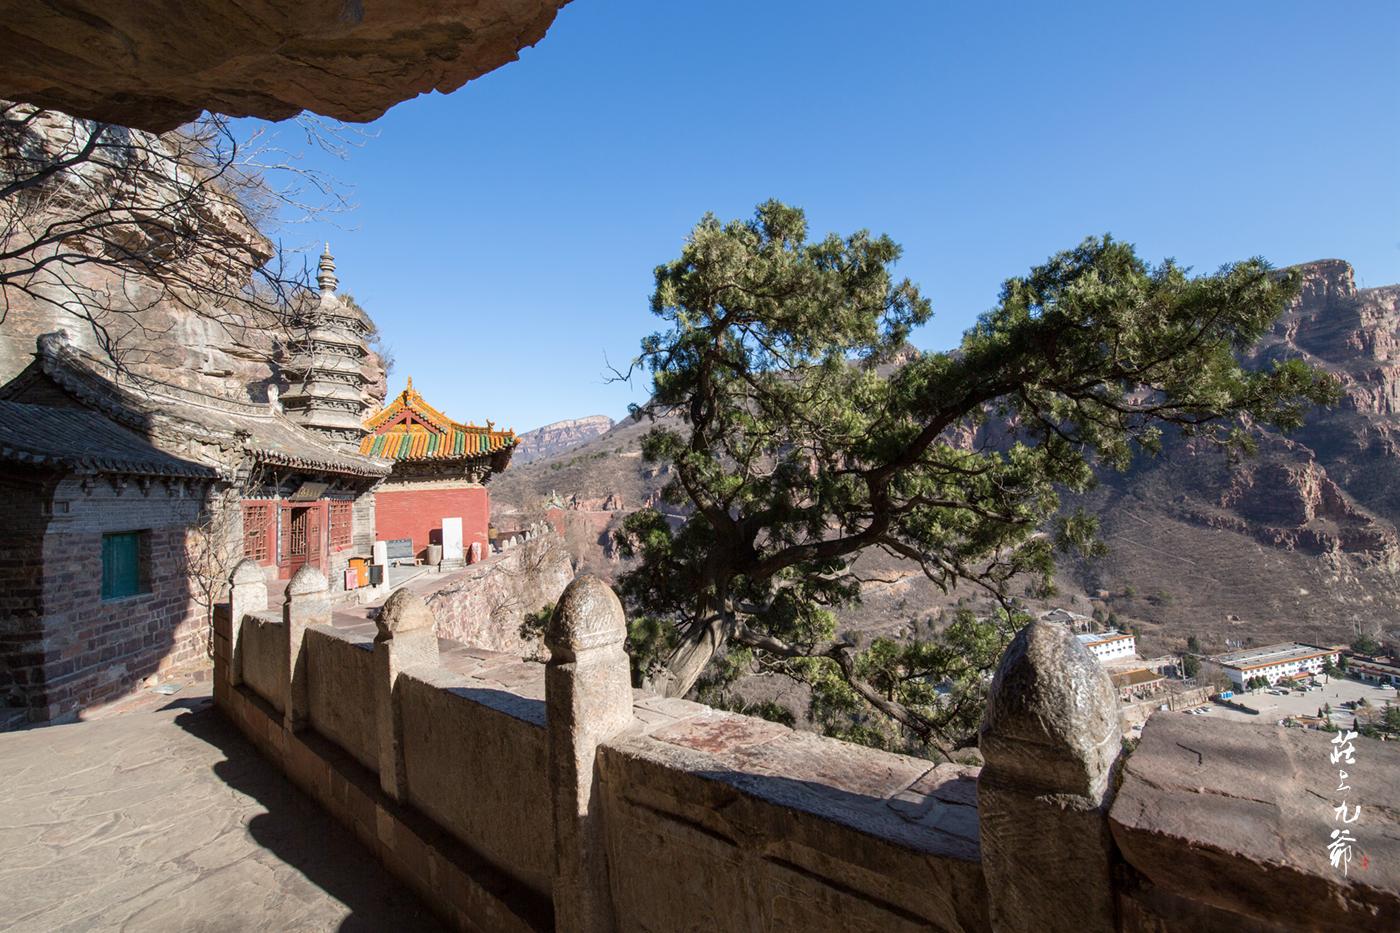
column 303, row 836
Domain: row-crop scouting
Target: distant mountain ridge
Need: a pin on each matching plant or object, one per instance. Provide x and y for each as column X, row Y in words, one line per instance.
column 554, row 439
column 1300, row 541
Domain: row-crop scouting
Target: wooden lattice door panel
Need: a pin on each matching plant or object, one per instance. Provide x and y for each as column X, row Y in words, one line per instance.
column 315, row 519
column 303, row 535
column 297, row 533
column 258, row 531
column 285, row 536
column 293, row 546
column 342, row 520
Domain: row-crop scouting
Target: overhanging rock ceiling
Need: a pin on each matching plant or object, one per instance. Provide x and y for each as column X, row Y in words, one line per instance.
column 156, row 64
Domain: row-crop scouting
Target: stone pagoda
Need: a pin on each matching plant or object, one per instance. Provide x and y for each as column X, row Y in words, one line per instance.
column 324, row 363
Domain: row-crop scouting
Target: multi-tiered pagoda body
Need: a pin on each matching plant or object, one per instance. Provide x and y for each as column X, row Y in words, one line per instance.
column 325, row 361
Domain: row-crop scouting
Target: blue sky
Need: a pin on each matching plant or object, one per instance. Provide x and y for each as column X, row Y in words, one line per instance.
column 505, row 234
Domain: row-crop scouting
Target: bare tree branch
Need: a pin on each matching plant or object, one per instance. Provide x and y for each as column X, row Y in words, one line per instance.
column 102, row 224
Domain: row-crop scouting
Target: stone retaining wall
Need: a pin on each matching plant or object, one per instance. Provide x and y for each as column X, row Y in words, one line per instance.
column 1131, row 714
column 518, row 796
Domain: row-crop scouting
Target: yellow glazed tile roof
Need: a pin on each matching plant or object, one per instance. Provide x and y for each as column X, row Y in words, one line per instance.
column 428, row 433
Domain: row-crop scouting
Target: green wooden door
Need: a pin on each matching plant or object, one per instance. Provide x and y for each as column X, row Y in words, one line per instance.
column 121, row 565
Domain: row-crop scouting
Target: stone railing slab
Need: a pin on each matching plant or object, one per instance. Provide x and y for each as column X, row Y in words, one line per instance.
column 262, row 655
column 1239, row 816
column 751, row 826
column 906, row 800
column 342, row 703
column 474, row 761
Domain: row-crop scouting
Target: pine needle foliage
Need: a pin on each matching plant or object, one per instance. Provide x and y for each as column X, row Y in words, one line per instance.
column 804, row 436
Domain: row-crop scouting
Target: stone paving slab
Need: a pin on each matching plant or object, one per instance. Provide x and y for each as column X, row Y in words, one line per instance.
column 168, row 819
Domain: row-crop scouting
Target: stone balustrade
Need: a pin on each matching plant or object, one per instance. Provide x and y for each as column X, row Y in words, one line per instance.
column 519, row 796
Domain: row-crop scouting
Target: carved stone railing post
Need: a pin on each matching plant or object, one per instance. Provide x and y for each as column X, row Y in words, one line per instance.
column 247, row 592
column 588, row 698
column 308, row 603
column 406, row 637
column 1051, row 740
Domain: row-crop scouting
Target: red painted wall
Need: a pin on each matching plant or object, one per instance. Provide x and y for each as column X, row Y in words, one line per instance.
column 417, row 513
column 555, row 516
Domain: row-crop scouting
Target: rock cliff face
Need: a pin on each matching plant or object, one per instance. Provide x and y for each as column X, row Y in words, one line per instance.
column 1302, row 540
column 1353, row 332
column 1333, row 485
column 167, row 329
column 157, row 66
column 554, row 439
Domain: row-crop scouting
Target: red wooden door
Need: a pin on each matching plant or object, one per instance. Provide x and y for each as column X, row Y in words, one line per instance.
column 315, row 538
column 303, row 537
column 296, row 522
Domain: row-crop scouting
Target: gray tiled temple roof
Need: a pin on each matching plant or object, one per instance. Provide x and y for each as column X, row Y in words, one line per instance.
column 217, row 431
column 84, row 441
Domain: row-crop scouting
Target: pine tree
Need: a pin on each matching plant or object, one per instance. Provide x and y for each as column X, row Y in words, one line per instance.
column 801, row 438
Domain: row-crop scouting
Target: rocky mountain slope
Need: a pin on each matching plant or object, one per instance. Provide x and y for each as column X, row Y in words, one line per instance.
column 1301, row 540
column 559, row 437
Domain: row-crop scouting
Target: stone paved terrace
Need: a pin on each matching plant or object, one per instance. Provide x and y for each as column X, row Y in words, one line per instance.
column 168, row 819
column 165, row 818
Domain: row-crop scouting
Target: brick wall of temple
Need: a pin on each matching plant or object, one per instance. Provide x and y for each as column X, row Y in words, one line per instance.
column 361, row 542
column 94, row 650
column 338, row 558
column 417, row 513
column 27, row 496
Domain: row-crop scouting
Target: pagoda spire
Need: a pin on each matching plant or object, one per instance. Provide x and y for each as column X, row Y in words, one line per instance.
column 325, row 278
column 323, row 363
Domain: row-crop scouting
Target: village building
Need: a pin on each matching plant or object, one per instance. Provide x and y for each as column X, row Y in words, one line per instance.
column 1374, row 669
column 1109, row 646
column 436, row 493
column 1136, row 683
column 1274, row 662
column 1076, row 621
